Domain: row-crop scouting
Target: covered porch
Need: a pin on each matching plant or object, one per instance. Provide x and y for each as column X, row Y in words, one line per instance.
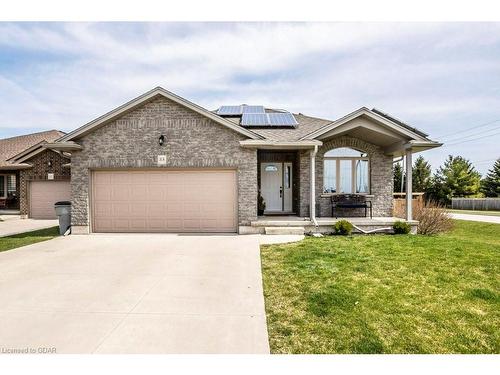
column 304, row 225
column 352, row 156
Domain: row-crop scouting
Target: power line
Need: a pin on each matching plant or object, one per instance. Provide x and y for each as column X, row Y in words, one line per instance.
column 470, row 140
column 472, row 135
column 466, row 130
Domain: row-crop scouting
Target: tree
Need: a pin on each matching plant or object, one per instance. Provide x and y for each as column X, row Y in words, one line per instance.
column 397, row 172
column 490, row 186
column 456, row 178
column 421, row 178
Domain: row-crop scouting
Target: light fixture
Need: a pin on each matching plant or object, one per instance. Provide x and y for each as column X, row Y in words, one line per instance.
column 161, row 140
column 50, row 163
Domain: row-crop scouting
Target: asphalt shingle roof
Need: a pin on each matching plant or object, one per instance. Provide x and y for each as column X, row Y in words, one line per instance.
column 10, row 147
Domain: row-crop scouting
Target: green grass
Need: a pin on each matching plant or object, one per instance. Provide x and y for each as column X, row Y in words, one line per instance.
column 23, row 239
column 386, row 293
column 473, row 212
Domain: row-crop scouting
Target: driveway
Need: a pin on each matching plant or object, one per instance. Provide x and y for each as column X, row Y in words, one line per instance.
column 481, row 218
column 139, row 293
column 13, row 224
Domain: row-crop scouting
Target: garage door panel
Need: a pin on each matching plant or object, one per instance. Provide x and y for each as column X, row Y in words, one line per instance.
column 43, row 195
column 164, row 201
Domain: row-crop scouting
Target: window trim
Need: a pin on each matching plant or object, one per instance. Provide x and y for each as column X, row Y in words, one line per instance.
column 353, row 160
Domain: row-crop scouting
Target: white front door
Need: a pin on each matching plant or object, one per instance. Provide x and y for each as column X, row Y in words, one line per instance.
column 276, row 186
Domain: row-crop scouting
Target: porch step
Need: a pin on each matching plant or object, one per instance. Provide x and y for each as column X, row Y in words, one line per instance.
column 285, row 230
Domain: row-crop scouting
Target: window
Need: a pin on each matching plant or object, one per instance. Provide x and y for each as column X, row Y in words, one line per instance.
column 7, row 185
column 346, row 170
column 11, row 185
column 288, row 172
column 3, row 186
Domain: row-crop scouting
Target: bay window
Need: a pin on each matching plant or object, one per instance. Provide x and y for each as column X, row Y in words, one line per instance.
column 346, row 171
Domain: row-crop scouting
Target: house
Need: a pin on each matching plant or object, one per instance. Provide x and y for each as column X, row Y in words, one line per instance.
column 161, row 163
column 32, row 177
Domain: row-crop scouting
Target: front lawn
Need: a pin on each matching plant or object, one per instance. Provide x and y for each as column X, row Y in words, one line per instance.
column 23, row 239
column 386, row 294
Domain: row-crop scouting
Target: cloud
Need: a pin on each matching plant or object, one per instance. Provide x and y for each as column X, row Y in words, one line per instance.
column 438, row 77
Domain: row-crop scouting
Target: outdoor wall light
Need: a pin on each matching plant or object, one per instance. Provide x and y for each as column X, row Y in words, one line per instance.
column 50, row 163
column 161, row 140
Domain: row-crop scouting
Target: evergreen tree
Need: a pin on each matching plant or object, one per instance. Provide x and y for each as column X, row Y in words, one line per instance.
column 456, row 178
column 490, row 186
column 421, row 178
column 397, row 172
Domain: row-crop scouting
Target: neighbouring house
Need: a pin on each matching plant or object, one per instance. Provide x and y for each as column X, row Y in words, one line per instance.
column 32, row 177
column 161, row 163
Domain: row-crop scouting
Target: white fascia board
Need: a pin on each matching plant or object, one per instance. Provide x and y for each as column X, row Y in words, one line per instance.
column 282, row 145
column 147, row 96
column 365, row 111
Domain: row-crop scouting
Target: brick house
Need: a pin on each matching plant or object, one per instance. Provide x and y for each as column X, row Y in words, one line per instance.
column 31, row 176
column 160, row 163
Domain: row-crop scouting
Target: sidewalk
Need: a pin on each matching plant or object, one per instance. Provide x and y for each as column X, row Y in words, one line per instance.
column 13, row 224
column 481, row 218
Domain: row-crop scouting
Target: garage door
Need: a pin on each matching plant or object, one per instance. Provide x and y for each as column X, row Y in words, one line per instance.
column 164, row 201
column 43, row 195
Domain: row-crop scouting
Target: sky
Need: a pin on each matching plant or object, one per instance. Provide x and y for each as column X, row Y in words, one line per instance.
column 443, row 78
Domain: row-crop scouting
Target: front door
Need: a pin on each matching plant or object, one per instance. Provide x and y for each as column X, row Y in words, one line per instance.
column 276, row 186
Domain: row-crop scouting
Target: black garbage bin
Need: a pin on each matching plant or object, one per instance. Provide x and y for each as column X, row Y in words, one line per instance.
column 63, row 212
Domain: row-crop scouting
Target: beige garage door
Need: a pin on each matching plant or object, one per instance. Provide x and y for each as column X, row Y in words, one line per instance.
column 43, row 195
column 164, row 201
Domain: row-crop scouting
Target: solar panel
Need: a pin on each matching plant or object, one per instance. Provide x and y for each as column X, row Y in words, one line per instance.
column 255, row 119
column 228, row 110
column 253, row 109
column 268, row 119
column 282, row 119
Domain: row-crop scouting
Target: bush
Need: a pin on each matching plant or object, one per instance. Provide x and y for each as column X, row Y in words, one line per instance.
column 343, row 227
column 432, row 218
column 401, row 227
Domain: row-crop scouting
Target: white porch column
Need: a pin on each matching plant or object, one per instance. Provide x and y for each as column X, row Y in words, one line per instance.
column 312, row 180
column 409, row 191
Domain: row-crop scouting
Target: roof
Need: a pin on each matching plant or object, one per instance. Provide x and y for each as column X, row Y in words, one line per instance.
column 399, row 122
column 10, row 147
column 134, row 103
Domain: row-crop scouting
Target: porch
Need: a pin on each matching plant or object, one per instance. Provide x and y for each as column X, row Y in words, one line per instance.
column 289, row 224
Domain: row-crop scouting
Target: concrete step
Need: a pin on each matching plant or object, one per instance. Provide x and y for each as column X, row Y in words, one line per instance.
column 285, row 230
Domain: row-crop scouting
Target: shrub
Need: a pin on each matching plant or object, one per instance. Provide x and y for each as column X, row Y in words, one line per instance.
column 432, row 218
column 343, row 227
column 401, row 227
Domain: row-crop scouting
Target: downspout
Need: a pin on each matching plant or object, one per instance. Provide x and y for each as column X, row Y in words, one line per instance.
column 312, row 207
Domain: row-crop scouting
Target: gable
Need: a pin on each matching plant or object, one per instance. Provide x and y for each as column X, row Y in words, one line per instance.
column 151, row 96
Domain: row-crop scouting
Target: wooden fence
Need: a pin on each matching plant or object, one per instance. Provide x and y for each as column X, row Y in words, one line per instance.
column 399, row 203
column 480, row 204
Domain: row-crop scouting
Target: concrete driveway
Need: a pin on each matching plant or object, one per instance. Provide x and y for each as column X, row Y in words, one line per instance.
column 134, row 294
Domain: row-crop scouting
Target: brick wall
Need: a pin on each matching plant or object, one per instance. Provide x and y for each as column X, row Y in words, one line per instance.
column 39, row 172
column 192, row 141
column 381, row 182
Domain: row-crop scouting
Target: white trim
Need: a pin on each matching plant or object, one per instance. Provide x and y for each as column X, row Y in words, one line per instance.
column 145, row 97
column 36, row 152
column 374, row 116
column 283, row 145
column 354, row 176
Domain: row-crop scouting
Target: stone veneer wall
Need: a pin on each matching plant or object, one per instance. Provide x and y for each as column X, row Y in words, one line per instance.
column 381, row 181
column 39, row 172
column 192, row 141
